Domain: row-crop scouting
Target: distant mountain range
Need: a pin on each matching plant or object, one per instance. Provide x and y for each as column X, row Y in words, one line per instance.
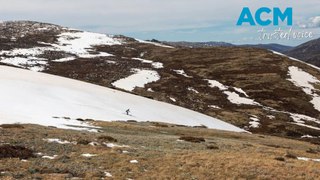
column 274, row 47
column 308, row 52
column 198, row 44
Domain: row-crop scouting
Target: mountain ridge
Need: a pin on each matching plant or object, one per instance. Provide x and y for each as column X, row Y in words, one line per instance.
column 308, row 52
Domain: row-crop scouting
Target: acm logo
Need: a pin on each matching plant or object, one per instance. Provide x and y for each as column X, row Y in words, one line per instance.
column 278, row 15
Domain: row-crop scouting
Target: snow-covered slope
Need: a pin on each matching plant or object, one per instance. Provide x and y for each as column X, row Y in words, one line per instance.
column 32, row 97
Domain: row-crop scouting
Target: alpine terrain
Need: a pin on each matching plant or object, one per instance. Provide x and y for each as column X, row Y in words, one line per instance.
column 254, row 89
column 84, row 105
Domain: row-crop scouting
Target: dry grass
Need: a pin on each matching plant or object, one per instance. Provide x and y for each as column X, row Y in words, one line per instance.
column 223, row 155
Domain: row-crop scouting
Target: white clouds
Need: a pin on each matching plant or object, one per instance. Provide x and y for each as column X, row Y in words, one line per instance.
column 150, row 16
column 313, row 22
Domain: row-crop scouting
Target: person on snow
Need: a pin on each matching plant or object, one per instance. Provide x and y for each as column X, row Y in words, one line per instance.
column 127, row 111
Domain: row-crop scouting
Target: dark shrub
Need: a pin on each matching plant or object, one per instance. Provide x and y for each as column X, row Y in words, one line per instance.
column 279, row 159
column 107, row 138
column 192, row 139
column 8, row 151
column 10, row 126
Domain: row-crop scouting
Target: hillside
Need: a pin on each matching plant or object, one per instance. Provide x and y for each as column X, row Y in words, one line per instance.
column 308, row 52
column 258, row 90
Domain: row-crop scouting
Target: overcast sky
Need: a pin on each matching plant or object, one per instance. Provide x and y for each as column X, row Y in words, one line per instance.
column 172, row 20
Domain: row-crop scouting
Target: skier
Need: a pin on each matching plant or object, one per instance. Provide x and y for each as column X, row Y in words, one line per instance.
column 128, row 111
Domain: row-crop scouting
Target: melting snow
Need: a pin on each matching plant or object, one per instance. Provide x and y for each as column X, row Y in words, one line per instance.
column 305, row 80
column 300, row 119
column 50, row 157
column 57, row 141
column 240, row 91
column 94, row 144
column 88, row 155
column 233, row 97
column 111, row 145
column 308, row 159
column 107, row 174
column 36, row 98
column 308, row 136
column 156, row 65
column 271, row 116
column 140, row 78
column 173, row 99
column 182, row 72
column 80, row 42
column 214, row 106
column 214, row 83
column 236, row 99
column 193, row 90
column 134, row 161
column 77, row 43
column 255, row 122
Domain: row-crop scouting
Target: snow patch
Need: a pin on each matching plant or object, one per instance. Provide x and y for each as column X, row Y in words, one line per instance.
column 233, row 97
column 305, row 80
column 36, row 98
column 79, row 44
column 134, row 162
column 239, row 90
column 156, row 65
column 107, row 174
column 183, row 73
column 255, row 122
column 193, row 90
column 140, row 78
column 308, row 159
column 173, row 99
column 214, row 106
column 300, row 120
column 271, row 117
column 308, row 136
column 56, row 141
column 94, row 144
column 112, row 145
column 236, row 99
column 49, row 157
column 88, row 155
column 220, row 86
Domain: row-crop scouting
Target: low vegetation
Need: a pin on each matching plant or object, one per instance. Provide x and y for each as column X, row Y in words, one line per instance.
column 122, row 150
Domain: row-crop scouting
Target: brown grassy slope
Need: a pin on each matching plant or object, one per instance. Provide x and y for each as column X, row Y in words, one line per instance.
column 159, row 153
